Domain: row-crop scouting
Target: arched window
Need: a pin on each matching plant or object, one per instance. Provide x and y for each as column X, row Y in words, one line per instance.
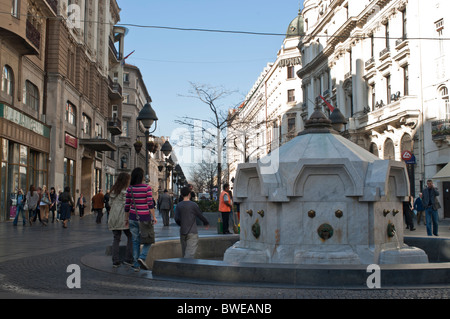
column 389, row 150
column 406, row 143
column 31, row 95
column 373, row 149
column 8, row 80
column 71, row 113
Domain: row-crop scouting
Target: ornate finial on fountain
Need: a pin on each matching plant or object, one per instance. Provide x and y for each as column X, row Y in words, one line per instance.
column 318, row 123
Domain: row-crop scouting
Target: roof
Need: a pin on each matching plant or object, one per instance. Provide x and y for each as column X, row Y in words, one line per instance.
column 295, row 28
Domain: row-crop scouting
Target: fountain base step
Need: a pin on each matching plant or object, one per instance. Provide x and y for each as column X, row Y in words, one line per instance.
column 351, row 276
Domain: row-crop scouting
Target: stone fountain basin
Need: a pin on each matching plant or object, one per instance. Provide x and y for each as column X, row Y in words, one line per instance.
column 434, row 273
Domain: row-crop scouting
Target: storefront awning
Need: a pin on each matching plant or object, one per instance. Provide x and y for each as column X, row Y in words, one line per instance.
column 98, row 144
column 443, row 174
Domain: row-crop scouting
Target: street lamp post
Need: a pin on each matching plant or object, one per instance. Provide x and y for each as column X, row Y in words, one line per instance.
column 147, row 116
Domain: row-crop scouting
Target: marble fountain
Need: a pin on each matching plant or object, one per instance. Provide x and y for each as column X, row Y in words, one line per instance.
column 319, row 211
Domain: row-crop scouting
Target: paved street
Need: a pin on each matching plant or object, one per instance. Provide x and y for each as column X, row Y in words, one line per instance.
column 34, row 261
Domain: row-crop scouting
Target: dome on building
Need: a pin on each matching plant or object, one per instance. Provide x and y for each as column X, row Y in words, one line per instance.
column 295, row 28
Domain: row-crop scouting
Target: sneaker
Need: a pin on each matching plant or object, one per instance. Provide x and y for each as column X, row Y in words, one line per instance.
column 142, row 263
column 136, row 269
column 116, row 265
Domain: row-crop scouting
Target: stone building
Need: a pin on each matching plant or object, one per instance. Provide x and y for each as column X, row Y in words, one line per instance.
column 84, row 94
column 271, row 113
column 382, row 63
column 61, row 95
column 25, row 140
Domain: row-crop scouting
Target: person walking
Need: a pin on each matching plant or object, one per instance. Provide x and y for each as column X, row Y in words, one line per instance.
column 165, row 204
column 118, row 220
column 81, row 204
column 107, row 205
column 418, row 206
column 32, row 201
column 98, row 204
column 20, row 200
column 225, row 205
column 186, row 215
column 54, row 202
column 431, row 204
column 408, row 213
column 140, row 206
column 67, row 205
column 44, row 205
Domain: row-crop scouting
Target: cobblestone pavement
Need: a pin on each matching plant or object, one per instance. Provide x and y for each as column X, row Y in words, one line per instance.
column 34, row 261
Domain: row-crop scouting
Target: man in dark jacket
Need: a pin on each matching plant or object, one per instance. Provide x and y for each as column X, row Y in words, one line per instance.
column 431, row 204
column 165, row 206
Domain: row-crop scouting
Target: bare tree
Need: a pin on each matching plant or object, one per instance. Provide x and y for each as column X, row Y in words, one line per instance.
column 213, row 139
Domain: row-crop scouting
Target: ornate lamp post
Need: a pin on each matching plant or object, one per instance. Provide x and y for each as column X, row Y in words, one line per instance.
column 147, row 116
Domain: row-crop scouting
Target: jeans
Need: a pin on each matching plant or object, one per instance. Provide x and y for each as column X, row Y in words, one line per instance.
column 115, row 246
column 137, row 252
column 431, row 217
column 20, row 210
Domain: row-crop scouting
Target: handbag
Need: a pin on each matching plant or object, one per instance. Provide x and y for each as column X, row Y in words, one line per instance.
column 146, row 230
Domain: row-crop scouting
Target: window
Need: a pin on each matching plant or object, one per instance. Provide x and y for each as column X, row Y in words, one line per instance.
column 405, row 80
column 124, row 128
column 31, row 95
column 373, row 95
column 86, row 123
column 387, row 34
column 290, row 72
column 98, row 130
column 126, row 77
column 445, row 99
column 440, row 31
column 389, row 150
column 15, row 12
column 8, row 80
column 71, row 115
column 291, row 95
column 291, row 126
column 388, row 89
column 404, row 30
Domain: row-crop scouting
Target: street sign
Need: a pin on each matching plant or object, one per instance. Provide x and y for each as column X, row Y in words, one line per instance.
column 406, row 155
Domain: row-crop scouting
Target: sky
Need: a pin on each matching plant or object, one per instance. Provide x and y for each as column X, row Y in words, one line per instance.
column 170, row 60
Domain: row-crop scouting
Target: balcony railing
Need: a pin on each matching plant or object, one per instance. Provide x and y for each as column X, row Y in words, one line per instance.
column 114, row 86
column 33, row 35
column 114, row 50
column 114, row 126
column 440, row 129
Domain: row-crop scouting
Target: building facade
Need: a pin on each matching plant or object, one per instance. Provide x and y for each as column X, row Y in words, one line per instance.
column 84, row 95
column 61, row 95
column 382, row 63
column 271, row 113
column 25, row 139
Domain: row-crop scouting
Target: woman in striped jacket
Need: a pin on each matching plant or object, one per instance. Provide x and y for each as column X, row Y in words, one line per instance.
column 139, row 205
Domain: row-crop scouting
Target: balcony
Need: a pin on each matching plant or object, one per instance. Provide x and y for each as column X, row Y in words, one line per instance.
column 115, row 89
column 33, row 35
column 440, row 130
column 113, row 49
column 114, row 126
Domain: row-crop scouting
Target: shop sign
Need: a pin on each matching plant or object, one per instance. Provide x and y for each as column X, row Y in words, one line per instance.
column 71, row 141
column 24, row 120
